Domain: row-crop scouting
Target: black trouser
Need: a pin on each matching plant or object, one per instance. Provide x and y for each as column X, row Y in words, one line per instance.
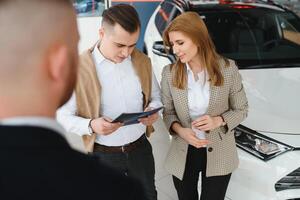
column 212, row 188
column 138, row 163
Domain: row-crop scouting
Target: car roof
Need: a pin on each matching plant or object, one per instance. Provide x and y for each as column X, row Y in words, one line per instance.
column 224, row 4
column 230, row 4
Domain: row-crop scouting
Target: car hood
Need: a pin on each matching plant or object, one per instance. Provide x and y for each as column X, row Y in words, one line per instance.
column 289, row 139
column 274, row 100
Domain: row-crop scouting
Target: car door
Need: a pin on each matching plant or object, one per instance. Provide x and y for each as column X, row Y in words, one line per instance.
column 163, row 15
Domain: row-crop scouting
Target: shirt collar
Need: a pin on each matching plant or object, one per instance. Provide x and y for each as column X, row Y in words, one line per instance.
column 98, row 57
column 43, row 122
column 188, row 68
column 190, row 72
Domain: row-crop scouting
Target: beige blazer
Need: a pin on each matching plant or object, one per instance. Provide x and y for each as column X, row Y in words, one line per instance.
column 228, row 100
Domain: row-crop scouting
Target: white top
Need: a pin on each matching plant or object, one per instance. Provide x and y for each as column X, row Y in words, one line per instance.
column 120, row 92
column 43, row 122
column 198, row 96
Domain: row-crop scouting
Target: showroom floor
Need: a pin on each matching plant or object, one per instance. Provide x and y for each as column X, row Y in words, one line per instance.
column 160, row 143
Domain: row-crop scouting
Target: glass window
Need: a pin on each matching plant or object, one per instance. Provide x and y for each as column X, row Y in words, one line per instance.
column 89, row 8
column 166, row 13
column 290, row 28
column 255, row 36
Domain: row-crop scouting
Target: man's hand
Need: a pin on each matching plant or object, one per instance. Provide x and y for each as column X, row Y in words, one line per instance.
column 103, row 126
column 150, row 119
column 207, row 123
column 190, row 137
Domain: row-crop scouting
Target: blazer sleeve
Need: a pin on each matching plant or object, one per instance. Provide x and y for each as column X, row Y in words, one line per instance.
column 169, row 113
column 238, row 103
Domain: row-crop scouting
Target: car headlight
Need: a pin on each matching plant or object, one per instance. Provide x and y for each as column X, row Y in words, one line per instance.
column 261, row 146
column 290, row 181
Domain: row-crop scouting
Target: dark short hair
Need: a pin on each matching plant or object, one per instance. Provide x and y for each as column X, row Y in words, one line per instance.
column 123, row 14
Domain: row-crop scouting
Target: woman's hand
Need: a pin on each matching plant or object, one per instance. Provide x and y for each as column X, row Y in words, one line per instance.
column 207, row 123
column 189, row 136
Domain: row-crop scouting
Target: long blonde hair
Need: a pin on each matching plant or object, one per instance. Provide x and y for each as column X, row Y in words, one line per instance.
column 191, row 25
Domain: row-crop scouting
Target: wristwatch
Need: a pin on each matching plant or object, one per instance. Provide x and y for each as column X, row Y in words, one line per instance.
column 91, row 131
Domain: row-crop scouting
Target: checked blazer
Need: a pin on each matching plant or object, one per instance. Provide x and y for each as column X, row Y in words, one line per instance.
column 228, row 101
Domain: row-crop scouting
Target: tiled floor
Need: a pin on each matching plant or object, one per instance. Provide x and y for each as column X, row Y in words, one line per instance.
column 160, row 144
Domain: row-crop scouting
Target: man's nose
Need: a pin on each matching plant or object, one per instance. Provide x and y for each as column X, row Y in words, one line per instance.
column 125, row 52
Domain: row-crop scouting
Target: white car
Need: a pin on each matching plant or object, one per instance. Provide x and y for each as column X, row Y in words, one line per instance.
column 264, row 40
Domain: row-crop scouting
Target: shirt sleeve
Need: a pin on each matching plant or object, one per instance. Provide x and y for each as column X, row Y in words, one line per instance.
column 155, row 94
column 66, row 116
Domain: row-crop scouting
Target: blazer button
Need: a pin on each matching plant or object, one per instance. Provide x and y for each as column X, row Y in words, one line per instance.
column 210, row 149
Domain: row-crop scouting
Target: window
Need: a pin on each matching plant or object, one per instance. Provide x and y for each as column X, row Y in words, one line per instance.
column 89, row 8
column 166, row 13
column 255, row 36
column 290, row 28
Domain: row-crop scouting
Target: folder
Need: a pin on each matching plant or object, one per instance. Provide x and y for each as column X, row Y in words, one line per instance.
column 132, row 118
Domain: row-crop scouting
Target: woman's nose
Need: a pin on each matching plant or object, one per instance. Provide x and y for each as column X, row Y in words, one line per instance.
column 175, row 49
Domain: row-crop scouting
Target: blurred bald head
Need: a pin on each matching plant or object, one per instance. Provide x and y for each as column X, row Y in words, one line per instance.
column 38, row 50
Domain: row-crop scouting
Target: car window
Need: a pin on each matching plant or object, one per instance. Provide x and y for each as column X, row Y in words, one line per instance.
column 89, row 8
column 255, row 36
column 165, row 14
column 290, row 28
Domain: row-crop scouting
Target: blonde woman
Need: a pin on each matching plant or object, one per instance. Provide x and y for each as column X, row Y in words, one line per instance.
column 204, row 101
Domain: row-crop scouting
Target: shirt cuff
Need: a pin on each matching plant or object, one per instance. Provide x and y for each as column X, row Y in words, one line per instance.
column 155, row 104
column 83, row 127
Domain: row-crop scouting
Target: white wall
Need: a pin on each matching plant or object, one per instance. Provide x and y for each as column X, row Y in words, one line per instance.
column 88, row 31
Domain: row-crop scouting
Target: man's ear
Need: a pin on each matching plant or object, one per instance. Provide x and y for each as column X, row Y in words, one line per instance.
column 57, row 59
column 101, row 32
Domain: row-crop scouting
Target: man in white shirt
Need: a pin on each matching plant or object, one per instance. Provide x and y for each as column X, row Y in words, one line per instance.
column 115, row 78
column 38, row 69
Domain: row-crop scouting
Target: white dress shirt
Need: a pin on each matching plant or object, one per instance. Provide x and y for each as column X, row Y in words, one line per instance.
column 121, row 92
column 198, row 96
column 43, row 122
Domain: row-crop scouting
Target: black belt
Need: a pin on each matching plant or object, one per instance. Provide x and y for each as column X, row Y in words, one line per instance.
column 119, row 149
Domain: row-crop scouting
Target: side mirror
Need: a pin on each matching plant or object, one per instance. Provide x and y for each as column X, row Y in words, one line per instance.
column 159, row 49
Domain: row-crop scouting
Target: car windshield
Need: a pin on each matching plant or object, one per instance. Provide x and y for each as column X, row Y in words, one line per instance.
column 255, row 36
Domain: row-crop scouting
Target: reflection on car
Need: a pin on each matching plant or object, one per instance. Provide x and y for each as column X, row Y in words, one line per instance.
column 85, row 6
column 264, row 40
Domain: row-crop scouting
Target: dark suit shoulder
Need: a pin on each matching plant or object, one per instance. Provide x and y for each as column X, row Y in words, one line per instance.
column 39, row 164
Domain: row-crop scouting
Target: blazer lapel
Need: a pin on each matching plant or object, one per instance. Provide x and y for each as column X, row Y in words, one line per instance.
column 182, row 95
column 213, row 91
column 213, row 95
